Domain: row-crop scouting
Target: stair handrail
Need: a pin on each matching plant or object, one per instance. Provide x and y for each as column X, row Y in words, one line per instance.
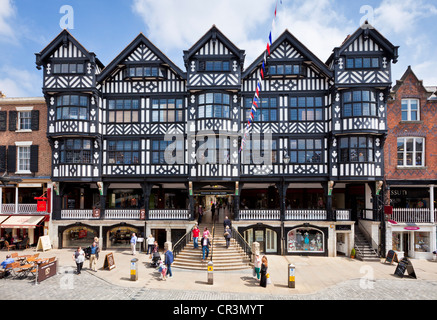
column 180, row 245
column 368, row 238
column 242, row 242
column 212, row 241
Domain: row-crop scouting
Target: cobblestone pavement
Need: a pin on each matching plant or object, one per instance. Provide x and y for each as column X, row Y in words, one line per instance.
column 66, row 285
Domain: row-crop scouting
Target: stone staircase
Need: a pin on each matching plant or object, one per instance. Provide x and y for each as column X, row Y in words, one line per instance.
column 363, row 248
column 223, row 259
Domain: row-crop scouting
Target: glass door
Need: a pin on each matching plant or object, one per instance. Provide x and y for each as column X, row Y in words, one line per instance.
column 271, row 241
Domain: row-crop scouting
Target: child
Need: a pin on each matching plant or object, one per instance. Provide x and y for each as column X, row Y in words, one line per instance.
column 162, row 270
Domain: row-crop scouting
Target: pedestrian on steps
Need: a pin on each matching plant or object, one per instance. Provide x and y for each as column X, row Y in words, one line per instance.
column 205, row 247
column 228, row 236
column 196, row 233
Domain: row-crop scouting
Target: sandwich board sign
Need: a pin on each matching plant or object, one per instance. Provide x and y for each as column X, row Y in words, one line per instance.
column 44, row 243
column 109, row 261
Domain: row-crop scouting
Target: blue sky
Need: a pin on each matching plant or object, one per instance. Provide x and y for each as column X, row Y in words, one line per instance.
column 106, row 27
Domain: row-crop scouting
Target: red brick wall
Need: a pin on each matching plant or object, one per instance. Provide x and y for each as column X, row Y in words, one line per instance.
column 426, row 127
column 39, row 137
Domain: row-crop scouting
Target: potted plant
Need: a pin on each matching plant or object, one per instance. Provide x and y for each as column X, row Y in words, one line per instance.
column 353, row 253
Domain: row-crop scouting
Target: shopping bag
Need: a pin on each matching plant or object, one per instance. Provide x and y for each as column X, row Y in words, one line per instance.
column 269, row 281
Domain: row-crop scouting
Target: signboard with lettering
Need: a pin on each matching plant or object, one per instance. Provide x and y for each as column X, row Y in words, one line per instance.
column 405, row 265
column 391, row 256
column 44, row 243
column 109, row 261
column 46, row 271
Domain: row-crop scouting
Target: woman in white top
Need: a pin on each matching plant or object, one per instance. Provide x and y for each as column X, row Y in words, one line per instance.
column 150, row 244
column 79, row 257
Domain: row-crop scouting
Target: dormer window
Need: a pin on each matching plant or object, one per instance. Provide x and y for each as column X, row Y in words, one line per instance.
column 287, row 69
column 362, row 63
column 66, row 68
column 215, row 66
column 145, row 72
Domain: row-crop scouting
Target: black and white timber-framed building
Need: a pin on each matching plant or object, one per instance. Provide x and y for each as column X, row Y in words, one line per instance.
column 107, row 126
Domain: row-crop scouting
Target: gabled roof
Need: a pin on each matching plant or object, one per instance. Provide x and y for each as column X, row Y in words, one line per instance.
column 367, row 30
column 213, row 33
column 62, row 39
column 140, row 39
column 300, row 47
column 430, row 92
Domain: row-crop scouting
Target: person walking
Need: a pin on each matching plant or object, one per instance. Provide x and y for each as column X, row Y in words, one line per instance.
column 94, row 256
column 205, row 232
column 199, row 218
column 227, row 222
column 150, row 243
column 228, row 236
column 196, row 233
column 257, row 266
column 133, row 243
column 168, row 260
column 263, row 272
column 79, row 258
column 205, row 247
column 212, row 211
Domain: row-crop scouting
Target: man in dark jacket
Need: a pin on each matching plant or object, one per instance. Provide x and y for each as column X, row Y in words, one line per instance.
column 205, row 247
column 227, row 222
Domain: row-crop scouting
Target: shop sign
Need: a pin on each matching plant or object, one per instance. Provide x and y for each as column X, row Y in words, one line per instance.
column 96, row 213
column 412, row 228
column 143, row 214
column 46, row 271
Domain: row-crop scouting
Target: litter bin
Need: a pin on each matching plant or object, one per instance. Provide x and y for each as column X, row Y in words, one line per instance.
column 210, row 273
column 134, row 269
column 291, row 276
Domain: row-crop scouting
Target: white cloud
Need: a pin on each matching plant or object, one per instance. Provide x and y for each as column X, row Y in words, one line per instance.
column 19, row 82
column 402, row 16
column 7, row 11
column 177, row 25
column 318, row 24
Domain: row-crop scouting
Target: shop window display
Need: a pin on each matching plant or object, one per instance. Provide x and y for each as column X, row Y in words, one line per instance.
column 78, row 236
column 421, row 242
column 119, row 237
column 305, row 240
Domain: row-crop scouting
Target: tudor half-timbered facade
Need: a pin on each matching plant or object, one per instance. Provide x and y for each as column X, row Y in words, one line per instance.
column 139, row 144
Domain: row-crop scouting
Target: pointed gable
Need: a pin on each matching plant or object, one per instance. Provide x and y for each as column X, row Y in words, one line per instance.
column 288, row 47
column 140, row 50
column 65, row 46
column 214, row 42
column 366, row 39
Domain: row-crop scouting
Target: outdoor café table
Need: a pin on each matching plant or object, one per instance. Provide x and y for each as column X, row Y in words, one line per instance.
column 25, row 269
column 22, row 259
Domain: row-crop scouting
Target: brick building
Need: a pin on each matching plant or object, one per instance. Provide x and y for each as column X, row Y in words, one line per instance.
column 411, row 167
column 25, row 168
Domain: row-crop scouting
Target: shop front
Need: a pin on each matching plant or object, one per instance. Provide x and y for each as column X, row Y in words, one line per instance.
column 118, row 236
column 22, row 231
column 412, row 240
column 76, row 235
column 268, row 237
column 306, row 240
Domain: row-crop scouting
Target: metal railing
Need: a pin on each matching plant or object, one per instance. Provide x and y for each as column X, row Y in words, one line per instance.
column 182, row 242
column 242, row 243
column 420, row 215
